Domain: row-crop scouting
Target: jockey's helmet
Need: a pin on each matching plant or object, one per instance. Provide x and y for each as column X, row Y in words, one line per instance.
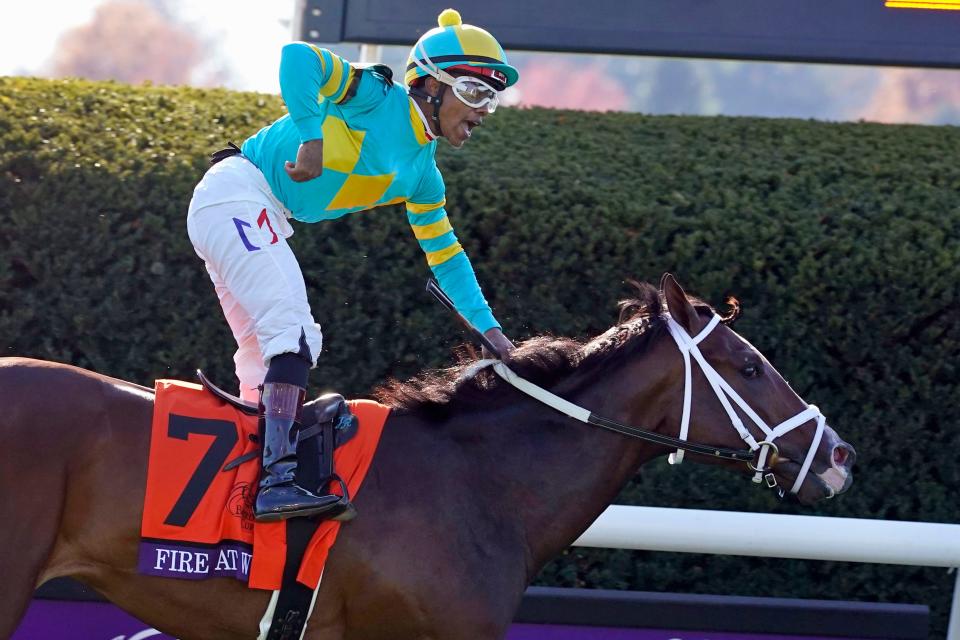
column 453, row 46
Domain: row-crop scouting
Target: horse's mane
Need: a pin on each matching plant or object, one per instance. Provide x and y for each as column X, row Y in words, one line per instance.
column 544, row 360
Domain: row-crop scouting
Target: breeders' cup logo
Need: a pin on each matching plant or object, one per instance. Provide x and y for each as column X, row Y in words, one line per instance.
column 143, row 635
column 240, row 503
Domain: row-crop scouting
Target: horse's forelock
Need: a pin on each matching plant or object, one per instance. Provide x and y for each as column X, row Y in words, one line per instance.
column 650, row 303
column 731, row 316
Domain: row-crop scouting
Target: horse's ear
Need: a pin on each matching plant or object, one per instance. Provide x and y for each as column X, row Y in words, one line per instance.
column 677, row 304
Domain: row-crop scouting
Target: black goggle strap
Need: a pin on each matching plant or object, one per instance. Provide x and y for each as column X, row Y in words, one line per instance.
column 428, row 66
column 436, row 101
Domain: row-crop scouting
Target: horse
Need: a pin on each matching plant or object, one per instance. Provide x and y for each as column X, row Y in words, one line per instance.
column 474, row 487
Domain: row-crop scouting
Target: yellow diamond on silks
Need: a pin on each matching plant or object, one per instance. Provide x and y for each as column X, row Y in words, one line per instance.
column 361, row 191
column 341, row 145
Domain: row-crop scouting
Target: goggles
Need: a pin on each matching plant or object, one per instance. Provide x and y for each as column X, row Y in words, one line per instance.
column 475, row 93
column 470, row 90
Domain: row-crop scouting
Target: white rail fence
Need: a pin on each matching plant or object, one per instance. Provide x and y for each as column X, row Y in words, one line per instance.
column 781, row 536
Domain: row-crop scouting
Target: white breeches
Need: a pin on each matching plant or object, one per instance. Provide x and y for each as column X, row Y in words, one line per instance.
column 240, row 230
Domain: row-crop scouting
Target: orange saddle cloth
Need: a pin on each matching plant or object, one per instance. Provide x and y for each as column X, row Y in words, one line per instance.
column 198, row 519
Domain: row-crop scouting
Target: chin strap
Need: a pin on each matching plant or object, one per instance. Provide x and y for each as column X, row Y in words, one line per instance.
column 430, row 68
column 436, row 101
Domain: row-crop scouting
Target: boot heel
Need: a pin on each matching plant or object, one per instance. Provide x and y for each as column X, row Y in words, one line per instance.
column 348, row 514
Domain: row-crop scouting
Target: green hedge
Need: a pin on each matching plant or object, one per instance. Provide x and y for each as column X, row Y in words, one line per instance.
column 841, row 240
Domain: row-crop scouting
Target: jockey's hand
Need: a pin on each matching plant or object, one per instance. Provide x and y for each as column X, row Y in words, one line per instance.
column 501, row 342
column 309, row 162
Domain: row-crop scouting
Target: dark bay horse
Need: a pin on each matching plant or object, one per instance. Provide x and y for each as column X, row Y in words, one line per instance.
column 474, row 487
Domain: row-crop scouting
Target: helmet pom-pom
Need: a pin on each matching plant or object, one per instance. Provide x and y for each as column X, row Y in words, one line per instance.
column 449, row 18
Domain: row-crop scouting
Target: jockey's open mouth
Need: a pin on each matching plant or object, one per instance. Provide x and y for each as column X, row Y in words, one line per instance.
column 470, row 123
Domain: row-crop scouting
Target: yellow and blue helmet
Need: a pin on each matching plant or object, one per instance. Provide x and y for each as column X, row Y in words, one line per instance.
column 454, row 46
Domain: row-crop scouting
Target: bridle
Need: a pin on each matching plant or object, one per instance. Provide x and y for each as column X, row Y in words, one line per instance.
column 688, row 345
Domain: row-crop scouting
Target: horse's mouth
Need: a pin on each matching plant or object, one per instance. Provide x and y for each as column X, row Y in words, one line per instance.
column 816, row 486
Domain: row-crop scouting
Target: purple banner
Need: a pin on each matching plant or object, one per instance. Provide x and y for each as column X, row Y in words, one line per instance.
column 58, row 620
column 567, row 632
column 229, row 559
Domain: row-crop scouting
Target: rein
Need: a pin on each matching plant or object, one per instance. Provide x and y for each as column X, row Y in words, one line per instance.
column 688, row 346
column 574, row 411
column 583, row 415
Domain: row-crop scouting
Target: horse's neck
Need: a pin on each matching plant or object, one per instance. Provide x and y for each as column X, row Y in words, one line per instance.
column 560, row 474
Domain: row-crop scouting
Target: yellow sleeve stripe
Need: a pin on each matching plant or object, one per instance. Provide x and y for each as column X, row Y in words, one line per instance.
column 332, row 85
column 323, row 63
column 413, row 207
column 346, row 85
column 429, row 231
column 439, row 257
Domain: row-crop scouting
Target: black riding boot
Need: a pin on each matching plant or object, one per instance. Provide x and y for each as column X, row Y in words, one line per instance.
column 279, row 497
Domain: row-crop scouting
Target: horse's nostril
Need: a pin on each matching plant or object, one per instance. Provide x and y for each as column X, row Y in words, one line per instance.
column 842, row 456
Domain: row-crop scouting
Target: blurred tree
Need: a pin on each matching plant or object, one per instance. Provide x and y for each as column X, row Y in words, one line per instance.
column 930, row 96
column 563, row 82
column 134, row 41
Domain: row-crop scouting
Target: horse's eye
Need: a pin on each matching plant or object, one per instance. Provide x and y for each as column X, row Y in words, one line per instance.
column 752, row 370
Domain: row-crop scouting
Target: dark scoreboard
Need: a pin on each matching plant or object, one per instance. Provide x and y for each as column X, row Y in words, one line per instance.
column 923, row 33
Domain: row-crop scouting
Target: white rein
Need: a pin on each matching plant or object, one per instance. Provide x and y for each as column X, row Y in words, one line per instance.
column 723, row 391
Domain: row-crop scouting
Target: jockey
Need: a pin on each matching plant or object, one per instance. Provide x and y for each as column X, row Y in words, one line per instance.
column 352, row 140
